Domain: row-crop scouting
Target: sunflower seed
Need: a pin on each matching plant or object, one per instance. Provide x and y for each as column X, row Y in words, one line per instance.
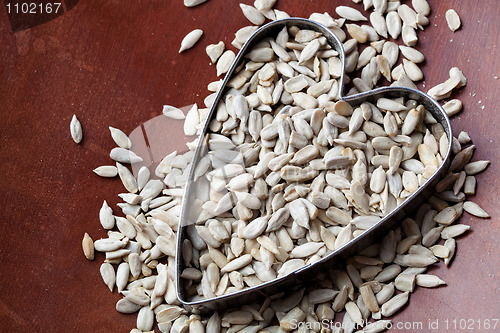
column 180, row 325
column 252, row 14
column 350, row 13
column 76, row 129
column 474, row 209
column 169, row 313
column 190, row 39
column 106, row 171
column 394, row 304
column 290, row 320
column 88, row 247
column 173, row 112
column 120, row 138
column 108, row 275
column 264, row 5
column 124, row 156
column 454, row 231
column 356, row 32
column 428, row 281
column 409, row 35
column 106, row 216
column 475, row 167
column 125, row 306
column 214, row 51
column 453, row 20
column 379, row 24
column 412, row 70
column 470, row 185
column 192, row 3
column 369, row 298
column 408, row 16
column 122, row 275
column 224, row 62
column 393, row 24
column 128, row 180
column 421, row 7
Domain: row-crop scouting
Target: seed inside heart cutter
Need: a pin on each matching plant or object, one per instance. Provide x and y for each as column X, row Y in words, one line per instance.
column 289, row 177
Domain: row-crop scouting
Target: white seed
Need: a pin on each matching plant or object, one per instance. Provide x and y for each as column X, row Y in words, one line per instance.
column 124, row 156
column 214, row 51
column 452, row 107
column 421, row 7
column 106, row 171
column 173, row 112
column 379, row 24
column 106, row 216
column 192, row 3
column 252, row 14
column 453, row 231
column 237, row 263
column 145, row 319
column 122, row 275
column 108, row 275
column 409, row 35
column 190, row 39
column 408, row 16
column 120, row 138
column 264, row 5
column 225, row 61
column 296, row 315
column 428, row 281
column 128, row 180
column 453, row 20
column 394, row 304
column 474, row 168
column 350, row 13
column 412, row 54
column 76, row 129
column 474, row 209
column 393, row 24
column 358, row 34
column 169, row 313
column 412, row 70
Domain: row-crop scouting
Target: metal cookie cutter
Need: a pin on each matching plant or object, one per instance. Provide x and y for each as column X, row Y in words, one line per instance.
column 196, row 188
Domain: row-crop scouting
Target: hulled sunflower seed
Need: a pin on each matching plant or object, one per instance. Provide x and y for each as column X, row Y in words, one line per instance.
column 350, row 13
column 88, row 247
column 453, row 20
column 394, row 304
column 192, row 3
column 474, row 209
column 120, row 138
column 214, row 51
column 224, row 62
column 428, row 281
column 106, row 171
column 173, row 112
column 252, row 14
column 108, row 275
column 76, row 129
column 190, row 39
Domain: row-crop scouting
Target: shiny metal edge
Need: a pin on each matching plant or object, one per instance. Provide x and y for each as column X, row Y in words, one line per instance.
column 304, row 274
column 270, row 29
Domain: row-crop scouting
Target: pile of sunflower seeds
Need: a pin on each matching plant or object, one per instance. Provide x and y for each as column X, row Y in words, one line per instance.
column 376, row 283
column 295, row 175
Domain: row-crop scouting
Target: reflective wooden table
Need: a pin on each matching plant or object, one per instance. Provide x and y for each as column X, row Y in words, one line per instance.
column 116, row 63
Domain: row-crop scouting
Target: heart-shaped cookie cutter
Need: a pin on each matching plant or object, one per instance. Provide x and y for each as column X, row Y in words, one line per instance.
column 191, row 201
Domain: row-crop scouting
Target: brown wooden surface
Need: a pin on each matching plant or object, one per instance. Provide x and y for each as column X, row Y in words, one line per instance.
column 115, row 63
